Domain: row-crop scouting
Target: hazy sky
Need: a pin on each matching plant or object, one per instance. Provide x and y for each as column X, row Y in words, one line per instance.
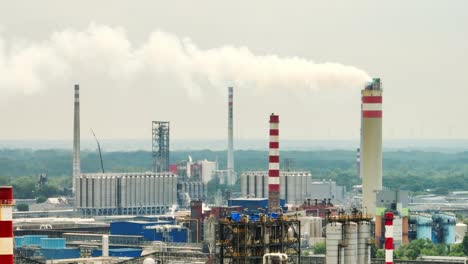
column 138, row 61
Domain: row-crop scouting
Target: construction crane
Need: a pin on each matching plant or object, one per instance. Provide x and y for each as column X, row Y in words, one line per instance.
column 99, row 149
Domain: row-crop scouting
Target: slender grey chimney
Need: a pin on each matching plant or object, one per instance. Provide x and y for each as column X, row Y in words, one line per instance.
column 76, row 141
column 230, row 154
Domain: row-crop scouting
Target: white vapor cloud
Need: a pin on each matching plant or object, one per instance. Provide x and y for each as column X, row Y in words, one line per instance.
column 107, row 52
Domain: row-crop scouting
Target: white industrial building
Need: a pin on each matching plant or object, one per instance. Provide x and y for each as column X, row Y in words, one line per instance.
column 126, row 193
column 294, row 185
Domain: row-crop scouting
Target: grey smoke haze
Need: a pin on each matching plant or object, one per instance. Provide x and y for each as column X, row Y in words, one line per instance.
column 30, row 66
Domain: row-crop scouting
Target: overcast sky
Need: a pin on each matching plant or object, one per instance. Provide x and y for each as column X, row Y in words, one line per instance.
column 138, row 61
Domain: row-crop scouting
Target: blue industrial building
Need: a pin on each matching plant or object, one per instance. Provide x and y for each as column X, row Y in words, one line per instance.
column 254, row 205
column 151, row 231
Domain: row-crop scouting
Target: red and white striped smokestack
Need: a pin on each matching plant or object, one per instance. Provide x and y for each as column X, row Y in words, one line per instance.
column 388, row 237
column 273, row 166
column 6, row 224
column 371, row 144
column 230, row 156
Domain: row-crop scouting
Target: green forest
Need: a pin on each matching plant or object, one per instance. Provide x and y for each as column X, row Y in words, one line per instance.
column 415, row 171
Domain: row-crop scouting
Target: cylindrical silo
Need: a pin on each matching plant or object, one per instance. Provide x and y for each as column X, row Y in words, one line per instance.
column 291, row 189
column 350, row 251
column 244, row 185
column 123, row 191
column 371, row 144
column 259, row 186
column 252, row 180
column 283, row 186
column 363, row 247
column 333, row 243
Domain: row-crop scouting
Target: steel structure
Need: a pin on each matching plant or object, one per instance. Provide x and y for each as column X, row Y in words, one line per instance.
column 245, row 242
column 160, row 146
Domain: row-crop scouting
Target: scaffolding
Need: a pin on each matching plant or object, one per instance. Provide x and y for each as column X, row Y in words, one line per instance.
column 246, row 241
column 160, row 146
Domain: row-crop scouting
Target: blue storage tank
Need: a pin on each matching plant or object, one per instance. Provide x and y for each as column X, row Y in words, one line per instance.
column 32, row 240
column 119, row 252
column 444, row 228
column 53, row 243
column 423, row 225
column 19, row 241
column 64, row 253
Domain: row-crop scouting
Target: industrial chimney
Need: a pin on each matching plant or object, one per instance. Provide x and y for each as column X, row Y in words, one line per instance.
column 273, row 166
column 230, row 155
column 6, row 224
column 371, row 144
column 76, row 142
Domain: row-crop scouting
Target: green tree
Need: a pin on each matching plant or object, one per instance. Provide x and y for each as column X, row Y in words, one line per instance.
column 320, row 248
column 22, row 207
column 465, row 245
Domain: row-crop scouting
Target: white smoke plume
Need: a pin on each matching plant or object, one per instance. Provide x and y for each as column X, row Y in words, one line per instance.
column 108, row 53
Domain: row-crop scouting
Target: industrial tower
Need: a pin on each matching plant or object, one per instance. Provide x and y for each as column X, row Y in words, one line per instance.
column 371, row 144
column 231, row 179
column 76, row 141
column 273, row 166
column 160, row 146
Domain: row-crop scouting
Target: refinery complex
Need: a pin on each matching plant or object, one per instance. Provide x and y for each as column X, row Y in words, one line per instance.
column 278, row 215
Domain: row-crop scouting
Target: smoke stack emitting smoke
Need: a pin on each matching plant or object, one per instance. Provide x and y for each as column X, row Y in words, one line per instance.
column 107, row 52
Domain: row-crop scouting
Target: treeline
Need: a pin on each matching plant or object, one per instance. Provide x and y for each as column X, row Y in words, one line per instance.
column 415, row 171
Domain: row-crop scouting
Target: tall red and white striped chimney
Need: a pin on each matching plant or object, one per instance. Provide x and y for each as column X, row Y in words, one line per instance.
column 6, row 224
column 388, row 237
column 273, row 166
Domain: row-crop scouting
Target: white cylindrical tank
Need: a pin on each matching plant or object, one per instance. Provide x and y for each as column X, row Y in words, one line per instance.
column 252, row 185
column 333, row 242
column 244, row 185
column 363, row 248
column 259, row 187
column 282, row 186
column 350, row 251
column 291, row 189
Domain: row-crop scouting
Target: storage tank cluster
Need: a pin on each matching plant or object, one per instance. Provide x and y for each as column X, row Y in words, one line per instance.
column 294, row 185
column 348, row 242
column 127, row 192
column 440, row 227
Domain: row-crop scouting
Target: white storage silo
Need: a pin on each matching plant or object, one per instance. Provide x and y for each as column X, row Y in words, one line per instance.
column 350, row 251
column 333, row 242
column 363, row 248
